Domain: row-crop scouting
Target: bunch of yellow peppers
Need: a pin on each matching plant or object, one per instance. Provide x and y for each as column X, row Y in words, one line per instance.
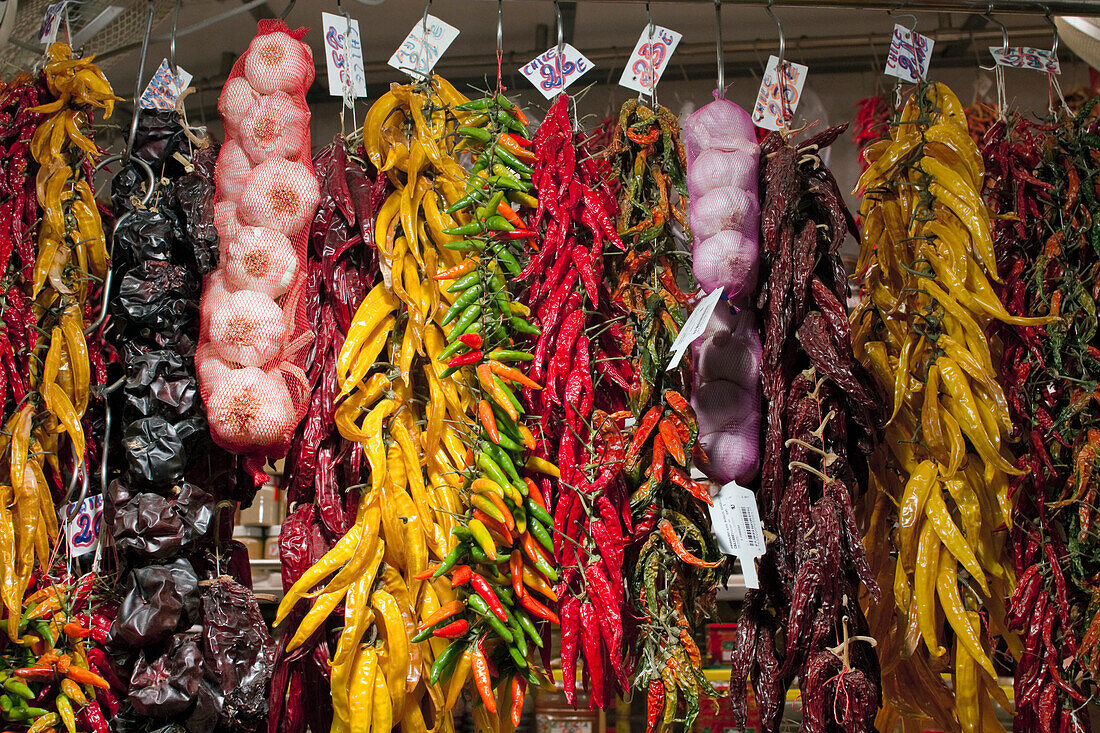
column 71, row 256
column 410, row 423
column 938, row 515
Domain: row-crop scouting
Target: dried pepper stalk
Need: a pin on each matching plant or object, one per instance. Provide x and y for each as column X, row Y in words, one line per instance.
column 821, row 416
column 675, row 574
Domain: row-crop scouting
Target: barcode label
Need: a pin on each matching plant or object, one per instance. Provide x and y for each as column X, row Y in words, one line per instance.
column 736, row 524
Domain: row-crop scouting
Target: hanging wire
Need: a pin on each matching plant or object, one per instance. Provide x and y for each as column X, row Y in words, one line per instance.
column 138, row 88
column 999, row 70
column 561, row 34
column 500, row 44
column 1052, row 79
column 172, row 42
column 424, row 39
column 349, row 88
column 721, row 91
column 780, row 72
column 287, row 9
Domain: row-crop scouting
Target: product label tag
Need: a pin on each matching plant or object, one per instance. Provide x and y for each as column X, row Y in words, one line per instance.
column 51, row 22
column 775, row 101
column 694, row 327
column 419, row 52
column 735, row 521
column 344, row 57
column 650, row 58
column 164, row 88
column 551, row 75
column 82, row 528
column 910, row 54
column 1025, row 57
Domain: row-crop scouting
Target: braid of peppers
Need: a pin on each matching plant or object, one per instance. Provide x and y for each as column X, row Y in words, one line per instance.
column 1041, row 190
column 581, row 410
column 678, row 565
column 927, row 260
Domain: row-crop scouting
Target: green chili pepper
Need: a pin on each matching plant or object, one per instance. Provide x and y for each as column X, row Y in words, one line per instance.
column 498, row 223
column 482, row 537
column 528, row 627
column 511, row 355
column 540, row 533
column 505, row 257
column 495, row 473
column 5, row 703
column 508, row 393
column 464, row 282
column 465, row 230
column 475, row 105
column 465, row 321
column 18, row 687
column 43, row 630
column 504, row 102
column 462, row 303
column 539, row 513
column 490, row 207
column 503, row 171
column 476, row 133
column 28, row 713
column 508, row 182
column 476, row 194
column 479, row 605
column 478, row 555
column 465, row 245
column 517, row 634
column 519, row 659
column 445, row 662
column 507, row 443
column 544, row 567
column 450, row 560
column 506, row 120
column 503, row 460
column 461, row 532
column 523, row 199
column 512, row 161
column 450, row 350
column 523, row 326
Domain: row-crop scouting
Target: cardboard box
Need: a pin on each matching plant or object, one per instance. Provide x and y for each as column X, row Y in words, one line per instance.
column 721, row 640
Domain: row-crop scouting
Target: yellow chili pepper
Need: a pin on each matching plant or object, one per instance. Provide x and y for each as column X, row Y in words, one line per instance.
column 481, row 535
column 924, row 588
column 361, row 690
column 948, row 589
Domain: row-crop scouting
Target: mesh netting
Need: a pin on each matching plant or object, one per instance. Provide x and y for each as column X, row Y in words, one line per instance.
column 254, row 331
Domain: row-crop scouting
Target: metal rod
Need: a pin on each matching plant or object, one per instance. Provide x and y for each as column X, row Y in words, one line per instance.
column 1031, row 7
column 720, row 49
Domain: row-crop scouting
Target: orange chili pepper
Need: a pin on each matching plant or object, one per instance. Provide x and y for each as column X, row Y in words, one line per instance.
column 515, row 569
column 445, row 611
column 506, row 372
column 509, row 143
column 488, row 420
column 485, row 377
column 668, row 533
column 534, row 493
column 467, row 265
column 87, row 677
column 481, row 677
column 529, row 441
column 671, row 439
column 511, row 216
column 494, row 527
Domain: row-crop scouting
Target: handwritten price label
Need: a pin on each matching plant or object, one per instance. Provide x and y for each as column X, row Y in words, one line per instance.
column 164, row 88
column 650, row 58
column 551, row 74
column 419, row 52
column 82, row 528
column 343, row 57
column 910, row 54
column 1025, row 57
column 775, row 101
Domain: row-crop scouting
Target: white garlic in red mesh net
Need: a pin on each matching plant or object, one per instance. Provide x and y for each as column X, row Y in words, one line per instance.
column 225, row 220
column 281, row 195
column 251, row 408
column 248, row 328
column 278, row 62
column 233, row 104
column 259, row 259
column 210, row 368
column 232, row 171
column 275, row 125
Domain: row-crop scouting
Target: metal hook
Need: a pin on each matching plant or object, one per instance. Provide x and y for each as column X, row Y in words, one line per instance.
column 649, row 56
column 172, row 42
column 287, row 9
column 349, row 89
column 500, row 28
column 782, row 37
column 424, row 20
column 1054, row 27
column 895, row 14
column 561, row 31
column 721, row 50
column 988, row 15
column 141, row 72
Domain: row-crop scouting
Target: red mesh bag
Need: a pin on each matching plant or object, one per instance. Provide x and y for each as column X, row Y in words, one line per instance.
column 255, row 334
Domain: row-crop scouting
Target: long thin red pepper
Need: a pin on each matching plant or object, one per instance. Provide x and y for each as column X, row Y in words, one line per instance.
column 453, row 630
column 481, row 585
column 470, row 357
column 531, row 604
column 480, row 667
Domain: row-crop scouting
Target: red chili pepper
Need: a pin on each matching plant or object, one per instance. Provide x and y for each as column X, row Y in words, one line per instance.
column 517, row 234
column 655, row 704
column 519, row 688
column 535, row 607
column 453, row 630
column 480, row 667
column 458, row 270
column 668, row 533
column 470, row 357
column 488, row 420
column 671, row 441
column 519, row 140
column 515, row 569
column 427, row 574
column 460, row 575
column 481, row 585
column 641, row 435
column 473, row 340
column 443, row 612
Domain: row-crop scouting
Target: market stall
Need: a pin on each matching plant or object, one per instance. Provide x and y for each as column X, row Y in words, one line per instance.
column 677, row 366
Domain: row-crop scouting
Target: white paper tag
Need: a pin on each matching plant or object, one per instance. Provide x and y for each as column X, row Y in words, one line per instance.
column 1025, row 57
column 51, row 22
column 650, row 58
column 164, row 89
column 552, row 75
column 82, row 528
column 736, row 524
column 418, row 53
column 344, row 57
column 694, row 327
column 775, row 102
column 910, row 54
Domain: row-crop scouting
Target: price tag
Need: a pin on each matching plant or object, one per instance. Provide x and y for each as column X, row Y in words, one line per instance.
column 551, row 75
column 1025, row 57
column 164, row 88
column 420, row 51
column 344, row 57
column 51, row 22
column 694, row 327
column 775, row 102
column 650, row 58
column 910, row 54
column 82, row 528
column 736, row 524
